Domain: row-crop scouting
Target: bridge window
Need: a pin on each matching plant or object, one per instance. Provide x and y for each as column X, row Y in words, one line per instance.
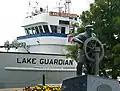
column 30, row 31
column 33, row 30
column 46, row 28
column 40, row 29
column 70, row 17
column 64, row 22
column 58, row 29
column 36, row 28
column 53, row 28
column 26, row 31
column 75, row 18
column 63, row 30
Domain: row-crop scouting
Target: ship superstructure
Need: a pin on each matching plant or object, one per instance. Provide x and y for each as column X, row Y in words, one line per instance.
column 45, row 31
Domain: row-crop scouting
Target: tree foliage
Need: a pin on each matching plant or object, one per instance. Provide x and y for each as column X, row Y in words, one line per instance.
column 72, row 49
column 105, row 16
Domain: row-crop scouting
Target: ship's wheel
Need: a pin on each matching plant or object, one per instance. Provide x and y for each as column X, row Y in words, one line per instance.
column 89, row 48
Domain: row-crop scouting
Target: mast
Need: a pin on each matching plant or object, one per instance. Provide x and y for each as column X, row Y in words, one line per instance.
column 68, row 2
column 47, row 9
column 59, row 6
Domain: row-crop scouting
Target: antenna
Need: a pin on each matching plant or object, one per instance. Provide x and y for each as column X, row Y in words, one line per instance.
column 47, row 8
column 29, row 5
column 68, row 5
column 65, row 7
column 60, row 7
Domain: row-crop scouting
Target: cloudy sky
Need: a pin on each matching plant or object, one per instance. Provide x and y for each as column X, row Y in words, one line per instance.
column 13, row 12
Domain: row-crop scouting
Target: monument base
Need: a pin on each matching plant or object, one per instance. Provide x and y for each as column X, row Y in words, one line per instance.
column 90, row 83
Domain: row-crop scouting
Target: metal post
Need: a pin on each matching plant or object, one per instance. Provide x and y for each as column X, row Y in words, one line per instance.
column 97, row 61
column 43, row 78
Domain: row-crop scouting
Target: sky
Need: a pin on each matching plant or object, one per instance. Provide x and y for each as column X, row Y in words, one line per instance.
column 13, row 12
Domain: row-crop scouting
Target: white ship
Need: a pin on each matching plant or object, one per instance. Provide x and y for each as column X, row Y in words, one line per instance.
column 40, row 52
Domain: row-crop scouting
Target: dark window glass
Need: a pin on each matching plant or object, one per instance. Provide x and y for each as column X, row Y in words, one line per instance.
column 27, row 32
column 70, row 18
column 33, row 30
column 75, row 18
column 53, row 28
column 30, row 31
column 37, row 31
column 63, row 22
column 63, row 30
column 40, row 28
column 46, row 28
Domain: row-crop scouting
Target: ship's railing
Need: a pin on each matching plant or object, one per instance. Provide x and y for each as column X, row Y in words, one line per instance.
column 62, row 14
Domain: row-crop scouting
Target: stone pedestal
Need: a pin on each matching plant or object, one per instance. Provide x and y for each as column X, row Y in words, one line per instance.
column 90, row 83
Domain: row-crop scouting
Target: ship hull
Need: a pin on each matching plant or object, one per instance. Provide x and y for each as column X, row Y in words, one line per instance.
column 24, row 69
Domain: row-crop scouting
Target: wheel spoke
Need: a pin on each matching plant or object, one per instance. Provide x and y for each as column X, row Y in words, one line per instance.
column 93, row 55
column 91, row 44
column 95, row 44
column 89, row 47
column 90, row 52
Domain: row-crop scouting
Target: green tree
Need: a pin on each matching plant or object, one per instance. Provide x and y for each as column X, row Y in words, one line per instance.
column 72, row 49
column 105, row 16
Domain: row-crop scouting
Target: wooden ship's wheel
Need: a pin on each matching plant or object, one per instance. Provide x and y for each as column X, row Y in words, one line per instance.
column 89, row 48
